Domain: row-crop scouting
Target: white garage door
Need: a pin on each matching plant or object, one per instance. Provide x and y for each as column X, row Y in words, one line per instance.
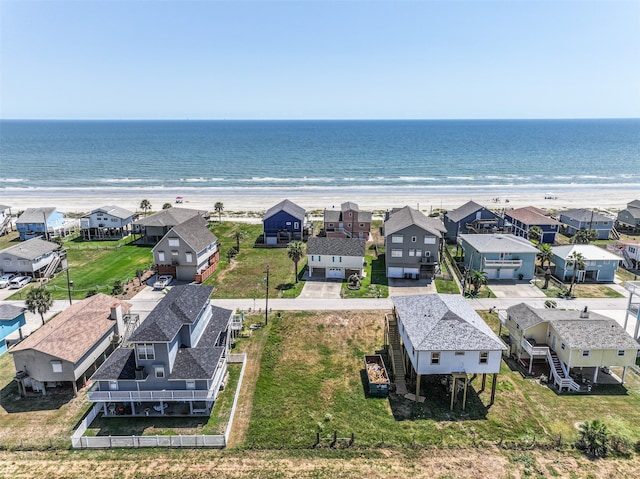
column 335, row 273
column 507, row 273
column 394, row 272
column 491, row 273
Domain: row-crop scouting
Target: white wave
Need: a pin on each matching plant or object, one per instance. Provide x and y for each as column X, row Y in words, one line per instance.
column 123, row 180
column 12, row 180
column 194, row 180
column 416, row 178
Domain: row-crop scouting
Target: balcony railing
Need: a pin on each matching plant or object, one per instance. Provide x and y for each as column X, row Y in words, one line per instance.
column 503, row 263
column 534, row 350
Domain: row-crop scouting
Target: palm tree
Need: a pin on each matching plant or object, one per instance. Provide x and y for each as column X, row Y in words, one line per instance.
column 535, row 233
column 576, row 260
column 593, row 437
column 238, row 235
column 39, row 301
column 296, row 252
column 219, row 207
column 145, row 206
column 477, row 278
column 545, row 254
column 584, row 236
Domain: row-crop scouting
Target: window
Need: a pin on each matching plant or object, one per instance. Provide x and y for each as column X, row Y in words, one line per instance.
column 412, row 252
column 585, row 353
column 312, row 258
column 621, row 352
column 414, row 239
column 331, row 225
column 427, row 254
column 361, row 225
column 333, row 259
column 23, row 262
column 288, row 223
column 484, row 357
column 145, row 351
column 340, row 259
column 296, row 225
column 459, row 353
column 435, row 358
column 563, row 346
column 397, row 239
column 174, row 252
column 159, row 371
column 160, row 255
column 56, row 366
column 429, row 239
column 174, row 242
column 350, row 214
column 348, row 225
column 188, row 257
column 396, row 253
column 113, row 385
column 190, row 384
column 7, row 262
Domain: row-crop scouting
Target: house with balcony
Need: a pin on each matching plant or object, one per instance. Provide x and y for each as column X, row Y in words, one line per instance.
column 155, row 226
column 349, row 222
column 578, row 346
column 108, row 223
column 500, row 256
column 599, row 265
column 523, row 219
column 34, row 257
column 412, row 242
column 335, row 258
column 629, row 218
column 471, row 218
column 440, row 334
column 11, row 320
column 583, row 219
column 283, row 223
column 67, row 349
column 5, row 220
column 188, row 252
column 633, row 307
column 44, row 222
column 174, row 363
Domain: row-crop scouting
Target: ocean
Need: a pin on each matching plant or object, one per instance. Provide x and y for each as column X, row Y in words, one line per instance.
column 245, row 157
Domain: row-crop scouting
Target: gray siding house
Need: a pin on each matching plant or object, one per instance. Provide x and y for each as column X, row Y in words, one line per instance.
column 630, row 216
column 599, row 264
column 578, row 219
column 30, row 258
column 470, row 218
column 155, row 226
column 412, row 241
column 177, row 361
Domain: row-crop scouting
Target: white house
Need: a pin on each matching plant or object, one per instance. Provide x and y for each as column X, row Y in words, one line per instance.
column 107, row 222
column 335, row 257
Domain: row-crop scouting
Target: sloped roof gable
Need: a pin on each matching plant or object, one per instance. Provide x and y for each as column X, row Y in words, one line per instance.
column 407, row 216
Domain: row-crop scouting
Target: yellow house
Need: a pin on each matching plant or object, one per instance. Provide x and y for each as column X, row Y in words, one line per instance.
column 578, row 345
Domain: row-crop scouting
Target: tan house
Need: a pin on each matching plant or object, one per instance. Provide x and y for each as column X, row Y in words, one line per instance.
column 349, row 222
column 70, row 347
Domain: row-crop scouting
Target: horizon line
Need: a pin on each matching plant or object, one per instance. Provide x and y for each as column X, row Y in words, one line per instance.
column 327, row 119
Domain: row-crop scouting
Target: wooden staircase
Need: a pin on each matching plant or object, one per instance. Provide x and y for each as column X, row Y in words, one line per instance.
column 395, row 354
column 560, row 378
column 555, row 364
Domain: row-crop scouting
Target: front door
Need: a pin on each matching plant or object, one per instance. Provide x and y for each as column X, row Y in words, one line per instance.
column 553, row 342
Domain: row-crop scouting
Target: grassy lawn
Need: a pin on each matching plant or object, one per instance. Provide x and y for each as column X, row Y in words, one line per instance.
column 311, row 381
column 580, row 290
column 9, row 240
column 374, row 283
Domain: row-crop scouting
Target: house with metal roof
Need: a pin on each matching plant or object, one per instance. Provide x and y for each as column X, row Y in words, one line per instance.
column 471, row 218
column 175, row 362
column 188, row 252
column 441, row 334
column 336, row 258
column 348, row 222
column 583, row 219
column 107, row 222
column 11, row 320
column 155, row 226
column 33, row 257
column 67, row 349
column 599, row 265
column 283, row 223
column 579, row 346
column 412, row 244
column 46, row 222
column 523, row 219
column 501, row 256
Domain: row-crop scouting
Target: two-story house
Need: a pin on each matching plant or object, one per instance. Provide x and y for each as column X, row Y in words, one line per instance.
column 629, row 218
column 599, row 265
column 107, row 222
column 45, row 222
column 176, row 362
column 349, row 222
column 471, row 218
column 501, row 256
column 5, row 220
column 189, row 251
column 412, row 242
column 583, row 219
column 283, row 223
column 11, row 320
column 155, row 226
column 523, row 219
column 336, row 258
column 34, row 257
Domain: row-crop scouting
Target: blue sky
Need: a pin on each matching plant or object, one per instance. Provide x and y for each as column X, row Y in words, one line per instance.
column 330, row 59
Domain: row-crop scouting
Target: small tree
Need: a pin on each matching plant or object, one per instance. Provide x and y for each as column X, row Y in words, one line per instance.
column 219, row 207
column 584, row 236
column 594, row 438
column 39, row 301
column 576, row 260
column 166, row 206
column 145, row 206
column 477, row 278
column 118, row 288
column 535, row 233
column 296, row 253
column 545, row 254
column 238, row 235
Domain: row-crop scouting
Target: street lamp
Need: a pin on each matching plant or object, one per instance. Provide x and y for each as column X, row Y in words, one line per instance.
column 266, row 306
column 65, row 265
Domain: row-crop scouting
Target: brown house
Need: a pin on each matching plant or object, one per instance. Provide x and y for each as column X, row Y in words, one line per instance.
column 349, row 222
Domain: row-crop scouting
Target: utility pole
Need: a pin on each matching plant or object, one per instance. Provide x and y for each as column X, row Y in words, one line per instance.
column 266, row 306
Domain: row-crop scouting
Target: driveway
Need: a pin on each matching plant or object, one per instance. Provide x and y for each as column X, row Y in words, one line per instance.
column 324, row 289
column 511, row 289
column 405, row 287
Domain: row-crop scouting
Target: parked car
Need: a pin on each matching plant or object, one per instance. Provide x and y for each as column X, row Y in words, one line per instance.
column 163, row 281
column 5, row 278
column 19, row 281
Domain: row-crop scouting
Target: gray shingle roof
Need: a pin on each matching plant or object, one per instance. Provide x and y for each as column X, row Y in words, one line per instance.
column 31, row 249
column 116, row 211
column 121, row 364
column 194, row 232
column 181, row 305
column 634, row 211
column 332, row 216
column 196, row 363
column 336, row 246
column 9, row 311
column 349, row 205
column 583, row 215
column 288, row 207
column 634, row 204
column 525, row 315
column 407, row 216
column 499, row 243
column 444, row 322
column 35, row 215
column 169, row 217
column 4, row 207
column 463, row 211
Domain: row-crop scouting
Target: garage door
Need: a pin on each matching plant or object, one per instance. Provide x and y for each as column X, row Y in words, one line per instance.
column 491, row 273
column 507, row 273
column 335, row 273
column 394, row 272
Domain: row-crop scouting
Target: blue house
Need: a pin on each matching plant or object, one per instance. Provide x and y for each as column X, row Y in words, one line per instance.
column 501, row 256
column 47, row 222
column 599, row 264
column 576, row 220
column 177, row 361
column 11, row 320
column 283, row 223
column 471, row 218
column 523, row 219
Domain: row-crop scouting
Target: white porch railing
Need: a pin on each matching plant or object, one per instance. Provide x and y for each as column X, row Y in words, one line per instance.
column 503, row 263
column 534, row 350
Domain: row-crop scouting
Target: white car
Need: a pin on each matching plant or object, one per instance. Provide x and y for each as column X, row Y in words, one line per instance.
column 19, row 281
column 5, row 279
column 163, row 281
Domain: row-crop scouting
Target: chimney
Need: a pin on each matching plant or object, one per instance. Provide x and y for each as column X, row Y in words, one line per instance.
column 116, row 315
column 584, row 313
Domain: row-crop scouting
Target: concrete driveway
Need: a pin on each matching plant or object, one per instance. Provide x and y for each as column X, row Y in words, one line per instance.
column 324, row 289
column 510, row 289
column 405, row 287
